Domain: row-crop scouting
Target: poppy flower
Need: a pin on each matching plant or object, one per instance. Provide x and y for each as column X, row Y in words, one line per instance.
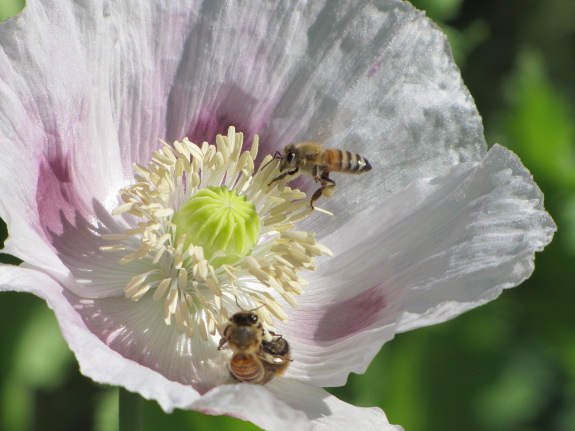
column 146, row 219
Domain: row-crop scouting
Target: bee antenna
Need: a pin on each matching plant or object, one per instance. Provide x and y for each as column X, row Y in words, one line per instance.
column 277, row 155
column 257, row 308
column 241, row 308
column 237, row 303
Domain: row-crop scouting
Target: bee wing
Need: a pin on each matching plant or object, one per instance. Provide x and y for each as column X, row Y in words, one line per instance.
column 324, row 132
column 325, row 129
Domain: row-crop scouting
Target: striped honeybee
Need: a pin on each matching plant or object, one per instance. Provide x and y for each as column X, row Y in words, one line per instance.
column 255, row 359
column 310, row 158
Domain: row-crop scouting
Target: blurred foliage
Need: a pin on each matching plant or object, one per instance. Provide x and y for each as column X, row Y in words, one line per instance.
column 509, row 365
column 10, row 8
column 539, row 124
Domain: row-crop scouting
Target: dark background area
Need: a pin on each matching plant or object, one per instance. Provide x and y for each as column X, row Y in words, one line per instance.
column 508, row 365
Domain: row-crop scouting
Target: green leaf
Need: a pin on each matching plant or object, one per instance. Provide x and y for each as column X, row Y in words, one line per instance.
column 540, row 123
column 10, row 8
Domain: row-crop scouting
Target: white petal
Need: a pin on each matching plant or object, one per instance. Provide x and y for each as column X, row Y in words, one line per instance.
column 95, row 273
column 24, row 241
column 147, row 40
column 83, row 90
column 382, row 75
column 137, row 331
column 491, row 249
column 59, row 147
column 253, row 403
column 427, row 254
column 279, row 405
column 286, row 404
column 56, row 106
column 96, row 359
column 326, row 411
column 408, row 113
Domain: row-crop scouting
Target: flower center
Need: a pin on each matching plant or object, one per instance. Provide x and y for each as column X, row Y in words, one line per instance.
column 219, row 219
column 209, row 237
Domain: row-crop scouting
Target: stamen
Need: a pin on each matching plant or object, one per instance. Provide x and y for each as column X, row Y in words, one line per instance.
column 212, row 235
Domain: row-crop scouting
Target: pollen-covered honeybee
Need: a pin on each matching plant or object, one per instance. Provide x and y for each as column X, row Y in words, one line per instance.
column 310, row 158
column 255, row 359
column 276, row 357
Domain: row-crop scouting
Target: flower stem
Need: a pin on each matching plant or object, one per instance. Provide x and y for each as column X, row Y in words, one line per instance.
column 131, row 411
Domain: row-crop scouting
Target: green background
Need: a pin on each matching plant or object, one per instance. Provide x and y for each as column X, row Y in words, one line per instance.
column 508, row 365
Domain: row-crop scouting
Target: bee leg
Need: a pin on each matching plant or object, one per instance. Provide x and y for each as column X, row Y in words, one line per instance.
column 274, row 334
column 282, row 176
column 327, row 188
column 223, row 341
column 315, row 196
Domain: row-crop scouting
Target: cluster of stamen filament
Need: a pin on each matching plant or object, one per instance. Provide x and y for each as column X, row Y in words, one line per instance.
column 197, row 295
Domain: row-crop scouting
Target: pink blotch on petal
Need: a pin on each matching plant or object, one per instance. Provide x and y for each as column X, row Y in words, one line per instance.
column 237, row 109
column 57, row 198
column 341, row 319
column 374, row 68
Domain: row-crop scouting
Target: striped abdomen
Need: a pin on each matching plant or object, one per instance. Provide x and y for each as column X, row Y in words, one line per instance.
column 246, row 367
column 344, row 161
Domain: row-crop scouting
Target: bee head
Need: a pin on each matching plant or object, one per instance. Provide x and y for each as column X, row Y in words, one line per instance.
column 289, row 157
column 245, row 318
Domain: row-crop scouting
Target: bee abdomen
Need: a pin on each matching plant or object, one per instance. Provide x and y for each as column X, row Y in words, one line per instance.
column 246, row 368
column 358, row 164
column 346, row 161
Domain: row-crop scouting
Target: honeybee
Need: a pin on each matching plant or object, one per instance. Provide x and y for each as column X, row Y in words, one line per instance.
column 276, row 357
column 310, row 158
column 255, row 359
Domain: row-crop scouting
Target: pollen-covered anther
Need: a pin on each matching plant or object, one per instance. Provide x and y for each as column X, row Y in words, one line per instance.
column 211, row 236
